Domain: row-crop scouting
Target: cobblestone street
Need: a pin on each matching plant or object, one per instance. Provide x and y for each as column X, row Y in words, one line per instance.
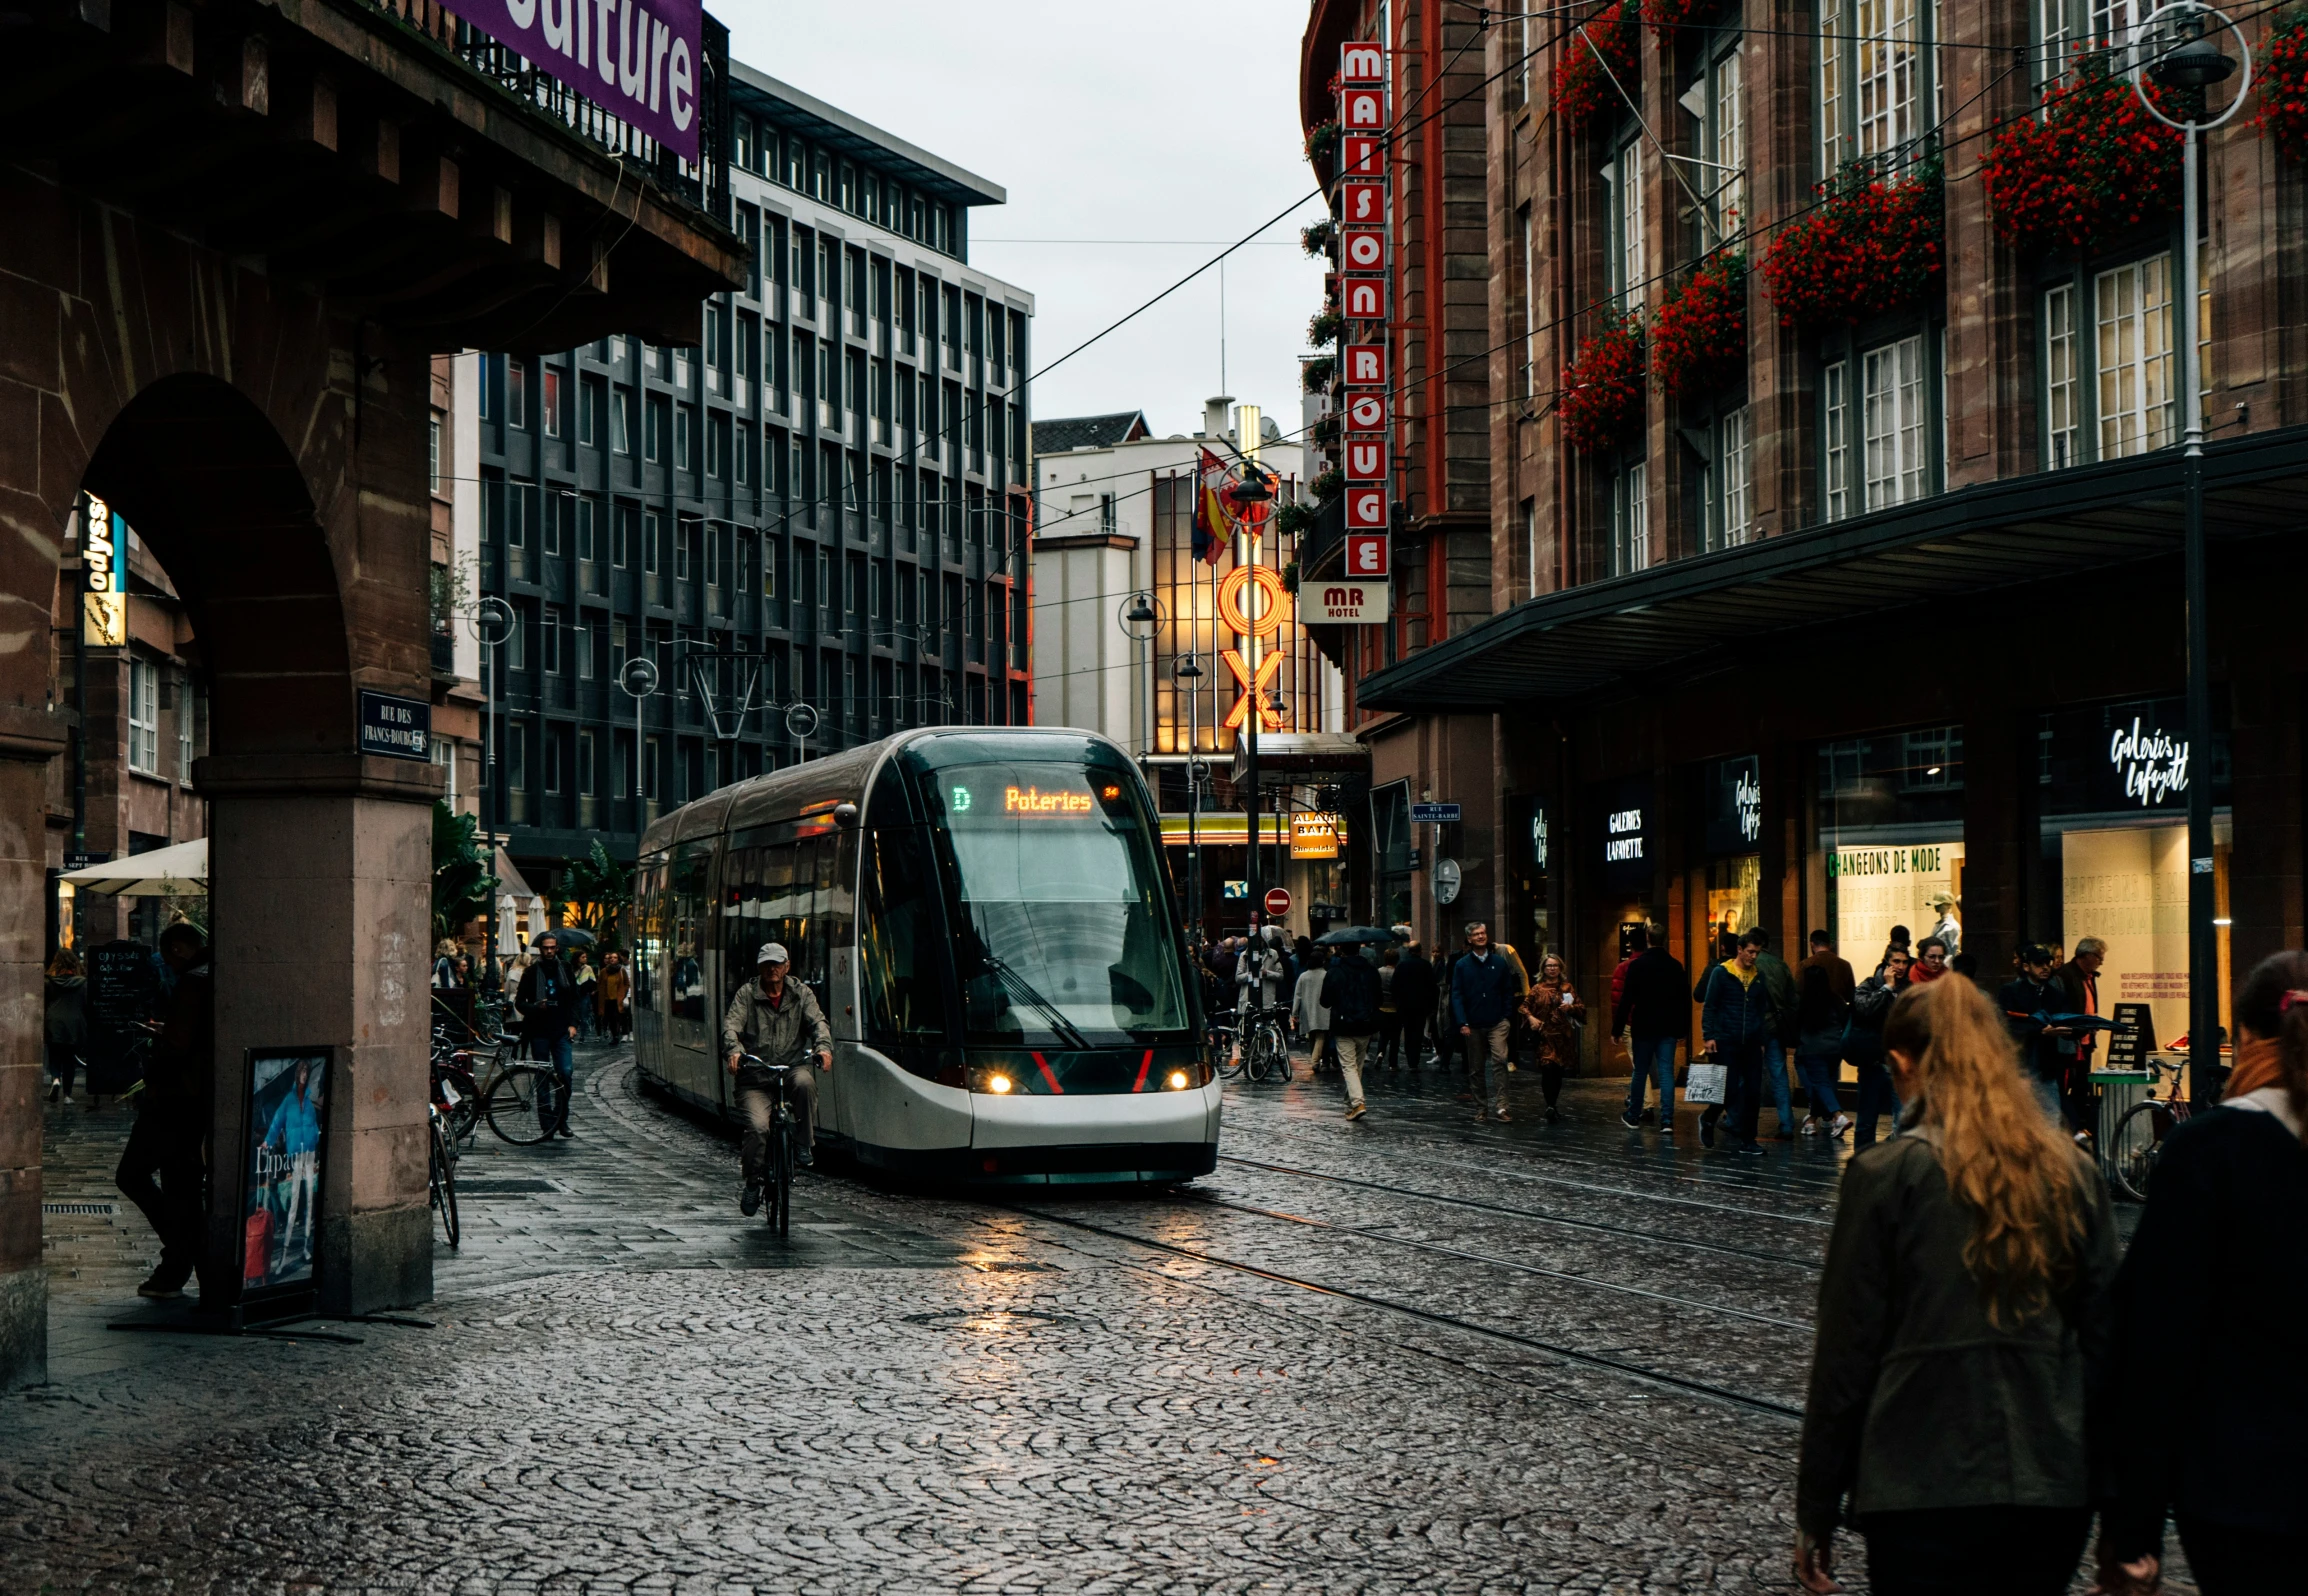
column 1406, row 1354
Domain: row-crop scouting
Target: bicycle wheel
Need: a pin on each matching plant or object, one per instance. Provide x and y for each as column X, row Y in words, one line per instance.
column 523, row 1107
column 781, row 1182
column 1225, row 1054
column 2139, row 1137
column 444, row 1182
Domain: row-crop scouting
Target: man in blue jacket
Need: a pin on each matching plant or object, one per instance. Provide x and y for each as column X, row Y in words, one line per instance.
column 1735, row 1019
column 1485, row 991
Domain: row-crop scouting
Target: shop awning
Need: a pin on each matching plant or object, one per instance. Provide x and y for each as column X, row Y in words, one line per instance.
column 181, row 869
column 2001, row 534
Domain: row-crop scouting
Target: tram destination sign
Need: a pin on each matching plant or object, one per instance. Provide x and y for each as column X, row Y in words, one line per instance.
column 398, row 728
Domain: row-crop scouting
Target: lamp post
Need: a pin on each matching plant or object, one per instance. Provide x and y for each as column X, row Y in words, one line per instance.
column 1141, row 610
column 1190, row 673
column 492, row 621
column 2174, row 50
column 1255, row 488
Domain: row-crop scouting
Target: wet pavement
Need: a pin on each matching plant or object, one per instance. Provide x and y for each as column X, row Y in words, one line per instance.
column 1408, row 1353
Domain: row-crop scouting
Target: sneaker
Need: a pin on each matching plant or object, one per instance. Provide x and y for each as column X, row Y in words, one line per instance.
column 1842, row 1124
column 1749, row 1150
column 806, row 1157
column 1631, row 1119
column 161, row 1286
column 1809, row 1127
column 1482, row 1116
column 1706, row 1131
column 1357, row 1111
column 750, row 1203
column 567, row 1134
column 1502, row 1116
column 55, row 1089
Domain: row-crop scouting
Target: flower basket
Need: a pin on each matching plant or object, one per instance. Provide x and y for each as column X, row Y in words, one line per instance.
column 1322, row 331
column 1872, row 245
column 1317, row 239
column 1314, row 375
column 1584, row 93
column 1295, row 520
column 1325, row 433
column 1326, row 485
column 1600, row 396
column 2093, row 168
column 1322, row 140
column 1663, row 17
column 2283, row 75
column 1699, row 336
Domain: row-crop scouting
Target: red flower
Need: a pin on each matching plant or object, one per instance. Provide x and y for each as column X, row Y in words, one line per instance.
column 2095, row 166
column 1866, row 248
column 1699, row 336
column 2283, row 77
column 1600, row 397
column 1584, row 92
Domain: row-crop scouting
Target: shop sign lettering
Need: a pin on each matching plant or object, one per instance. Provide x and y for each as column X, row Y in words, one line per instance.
column 1625, row 841
column 1885, row 862
column 2153, row 765
column 1748, row 794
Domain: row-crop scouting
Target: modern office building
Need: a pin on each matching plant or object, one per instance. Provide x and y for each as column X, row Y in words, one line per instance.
column 825, row 503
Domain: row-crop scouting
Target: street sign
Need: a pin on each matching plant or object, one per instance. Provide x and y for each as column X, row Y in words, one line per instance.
column 1343, row 603
column 1446, row 880
column 1434, row 815
column 81, row 861
column 1277, row 902
column 1366, row 555
column 398, row 728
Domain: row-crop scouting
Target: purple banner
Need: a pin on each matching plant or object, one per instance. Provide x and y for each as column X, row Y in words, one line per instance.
column 642, row 61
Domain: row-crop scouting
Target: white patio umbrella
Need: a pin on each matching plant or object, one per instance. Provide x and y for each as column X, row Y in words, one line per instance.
column 180, row 869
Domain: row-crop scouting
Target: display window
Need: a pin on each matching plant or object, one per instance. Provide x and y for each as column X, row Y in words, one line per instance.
column 2113, row 867
column 1728, row 887
column 1891, row 840
column 1531, row 873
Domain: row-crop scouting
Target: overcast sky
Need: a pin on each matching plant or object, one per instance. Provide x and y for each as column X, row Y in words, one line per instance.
column 1176, row 124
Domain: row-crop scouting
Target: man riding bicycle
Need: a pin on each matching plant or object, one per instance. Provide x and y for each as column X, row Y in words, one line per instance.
column 779, row 1022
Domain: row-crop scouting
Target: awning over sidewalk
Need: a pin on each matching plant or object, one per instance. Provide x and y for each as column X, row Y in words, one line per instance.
column 2002, row 534
column 181, row 868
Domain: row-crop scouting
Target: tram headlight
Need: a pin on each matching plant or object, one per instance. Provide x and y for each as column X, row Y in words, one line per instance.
column 1179, row 1080
column 999, row 1084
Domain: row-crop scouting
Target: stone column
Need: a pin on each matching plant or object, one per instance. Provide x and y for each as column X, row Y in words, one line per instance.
column 29, row 738
column 321, row 876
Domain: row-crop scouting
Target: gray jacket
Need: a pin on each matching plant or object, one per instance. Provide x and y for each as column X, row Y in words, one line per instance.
column 784, row 1034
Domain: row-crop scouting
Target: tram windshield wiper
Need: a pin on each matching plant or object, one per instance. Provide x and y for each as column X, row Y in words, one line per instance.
column 1051, row 1015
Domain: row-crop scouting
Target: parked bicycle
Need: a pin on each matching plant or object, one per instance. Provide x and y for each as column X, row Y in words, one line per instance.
column 778, row 1158
column 521, row 1100
column 443, row 1173
column 1266, row 1044
column 2139, row 1138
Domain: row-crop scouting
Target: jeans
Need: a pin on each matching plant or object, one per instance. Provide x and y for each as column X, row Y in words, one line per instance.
column 1876, row 1098
column 756, row 1100
column 1775, row 1077
column 1654, row 1061
column 1352, row 1050
column 1389, row 1037
column 1819, row 1059
column 1975, row 1551
column 1493, row 1043
column 560, row 1051
column 160, row 1172
column 63, row 1062
column 1743, row 1096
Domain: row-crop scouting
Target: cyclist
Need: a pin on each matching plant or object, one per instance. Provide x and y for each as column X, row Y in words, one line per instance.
column 779, row 1022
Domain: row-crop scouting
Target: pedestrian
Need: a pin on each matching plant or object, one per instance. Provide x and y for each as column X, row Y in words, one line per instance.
column 1930, row 962
column 1863, row 1045
column 1446, row 1031
column 1485, row 993
column 1650, row 1013
column 444, row 962
column 1389, row 1017
column 547, row 999
column 65, row 1022
column 1349, row 997
column 1901, row 940
column 1963, row 1324
column 2046, row 1050
column 2080, row 979
column 1555, row 1014
column 1734, row 1020
column 614, row 995
column 1414, row 1002
column 1307, row 1015
column 1823, row 990
column 581, row 972
column 1779, row 984
column 160, row 1169
column 2216, row 1284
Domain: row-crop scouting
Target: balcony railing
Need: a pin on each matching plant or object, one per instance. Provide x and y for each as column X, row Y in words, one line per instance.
column 444, row 654
column 703, row 183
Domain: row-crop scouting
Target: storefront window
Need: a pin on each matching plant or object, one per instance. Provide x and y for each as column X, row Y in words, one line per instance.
column 2114, row 863
column 1530, row 869
column 1391, row 851
column 1891, row 837
column 1730, row 883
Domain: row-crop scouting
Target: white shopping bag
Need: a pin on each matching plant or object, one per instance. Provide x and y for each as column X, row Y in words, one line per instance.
column 1708, row 1083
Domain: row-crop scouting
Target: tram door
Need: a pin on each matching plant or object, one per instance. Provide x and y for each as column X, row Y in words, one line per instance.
column 687, row 981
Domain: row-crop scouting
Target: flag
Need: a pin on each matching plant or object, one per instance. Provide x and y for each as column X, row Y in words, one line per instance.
column 1210, row 525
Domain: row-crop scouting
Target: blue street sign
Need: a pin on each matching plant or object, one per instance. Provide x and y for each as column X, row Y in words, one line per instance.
column 1434, row 814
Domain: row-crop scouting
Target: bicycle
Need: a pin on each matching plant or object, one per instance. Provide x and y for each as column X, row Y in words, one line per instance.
column 1226, row 1056
column 777, row 1184
column 442, row 1177
column 2139, row 1136
column 521, row 1099
column 1265, row 1045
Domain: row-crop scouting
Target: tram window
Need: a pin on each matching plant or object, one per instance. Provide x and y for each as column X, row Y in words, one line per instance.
column 688, row 975
column 649, row 934
column 899, row 952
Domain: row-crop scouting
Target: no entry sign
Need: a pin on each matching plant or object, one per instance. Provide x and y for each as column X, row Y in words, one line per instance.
column 1277, row 902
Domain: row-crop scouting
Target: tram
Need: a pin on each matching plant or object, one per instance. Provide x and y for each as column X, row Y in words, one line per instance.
column 985, row 915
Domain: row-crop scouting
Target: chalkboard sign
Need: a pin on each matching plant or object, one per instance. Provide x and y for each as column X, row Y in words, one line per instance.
column 123, row 991
column 2133, row 1039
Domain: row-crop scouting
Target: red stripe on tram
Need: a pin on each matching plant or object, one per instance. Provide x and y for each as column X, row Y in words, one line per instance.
column 1044, row 1065
column 1144, row 1064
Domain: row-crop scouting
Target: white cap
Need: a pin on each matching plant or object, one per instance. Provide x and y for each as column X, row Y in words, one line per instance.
column 772, row 953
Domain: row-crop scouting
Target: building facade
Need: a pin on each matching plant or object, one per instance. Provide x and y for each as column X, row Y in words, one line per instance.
column 1114, row 524
column 1851, row 599
column 813, row 525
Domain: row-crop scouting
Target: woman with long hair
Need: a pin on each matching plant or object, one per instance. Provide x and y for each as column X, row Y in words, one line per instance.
column 1554, row 1012
column 2209, row 1306
column 1962, row 1323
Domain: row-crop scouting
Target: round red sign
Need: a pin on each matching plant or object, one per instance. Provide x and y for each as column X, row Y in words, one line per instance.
column 1277, row 902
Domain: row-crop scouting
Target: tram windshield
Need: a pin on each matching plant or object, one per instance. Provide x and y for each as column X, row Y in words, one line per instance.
column 1059, row 908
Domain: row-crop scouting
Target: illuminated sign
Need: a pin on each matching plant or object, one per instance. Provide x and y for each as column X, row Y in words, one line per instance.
column 1253, row 685
column 1034, row 801
column 2151, row 763
column 104, row 601
column 1272, row 598
column 1314, row 836
column 1625, row 840
column 1345, row 603
column 961, row 803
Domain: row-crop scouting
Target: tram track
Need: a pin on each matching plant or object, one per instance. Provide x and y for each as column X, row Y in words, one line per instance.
column 1531, row 1215
column 1577, row 1355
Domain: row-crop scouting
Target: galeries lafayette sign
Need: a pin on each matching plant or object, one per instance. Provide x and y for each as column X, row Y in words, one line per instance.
column 643, row 63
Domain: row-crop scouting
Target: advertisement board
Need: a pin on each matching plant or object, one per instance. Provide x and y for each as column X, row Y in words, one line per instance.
column 1343, row 603
column 642, row 61
column 286, row 1119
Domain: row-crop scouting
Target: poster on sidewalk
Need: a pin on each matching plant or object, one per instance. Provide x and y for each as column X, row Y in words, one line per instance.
column 280, row 1216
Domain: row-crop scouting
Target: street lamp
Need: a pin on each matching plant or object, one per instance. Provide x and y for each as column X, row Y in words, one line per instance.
column 1141, row 609
column 1190, row 673
column 2194, row 62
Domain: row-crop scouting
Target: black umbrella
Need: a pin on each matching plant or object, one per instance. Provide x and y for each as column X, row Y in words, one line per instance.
column 1348, row 935
column 571, row 937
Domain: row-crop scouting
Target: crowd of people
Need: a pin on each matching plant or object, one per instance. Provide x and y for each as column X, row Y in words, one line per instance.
column 601, row 1006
